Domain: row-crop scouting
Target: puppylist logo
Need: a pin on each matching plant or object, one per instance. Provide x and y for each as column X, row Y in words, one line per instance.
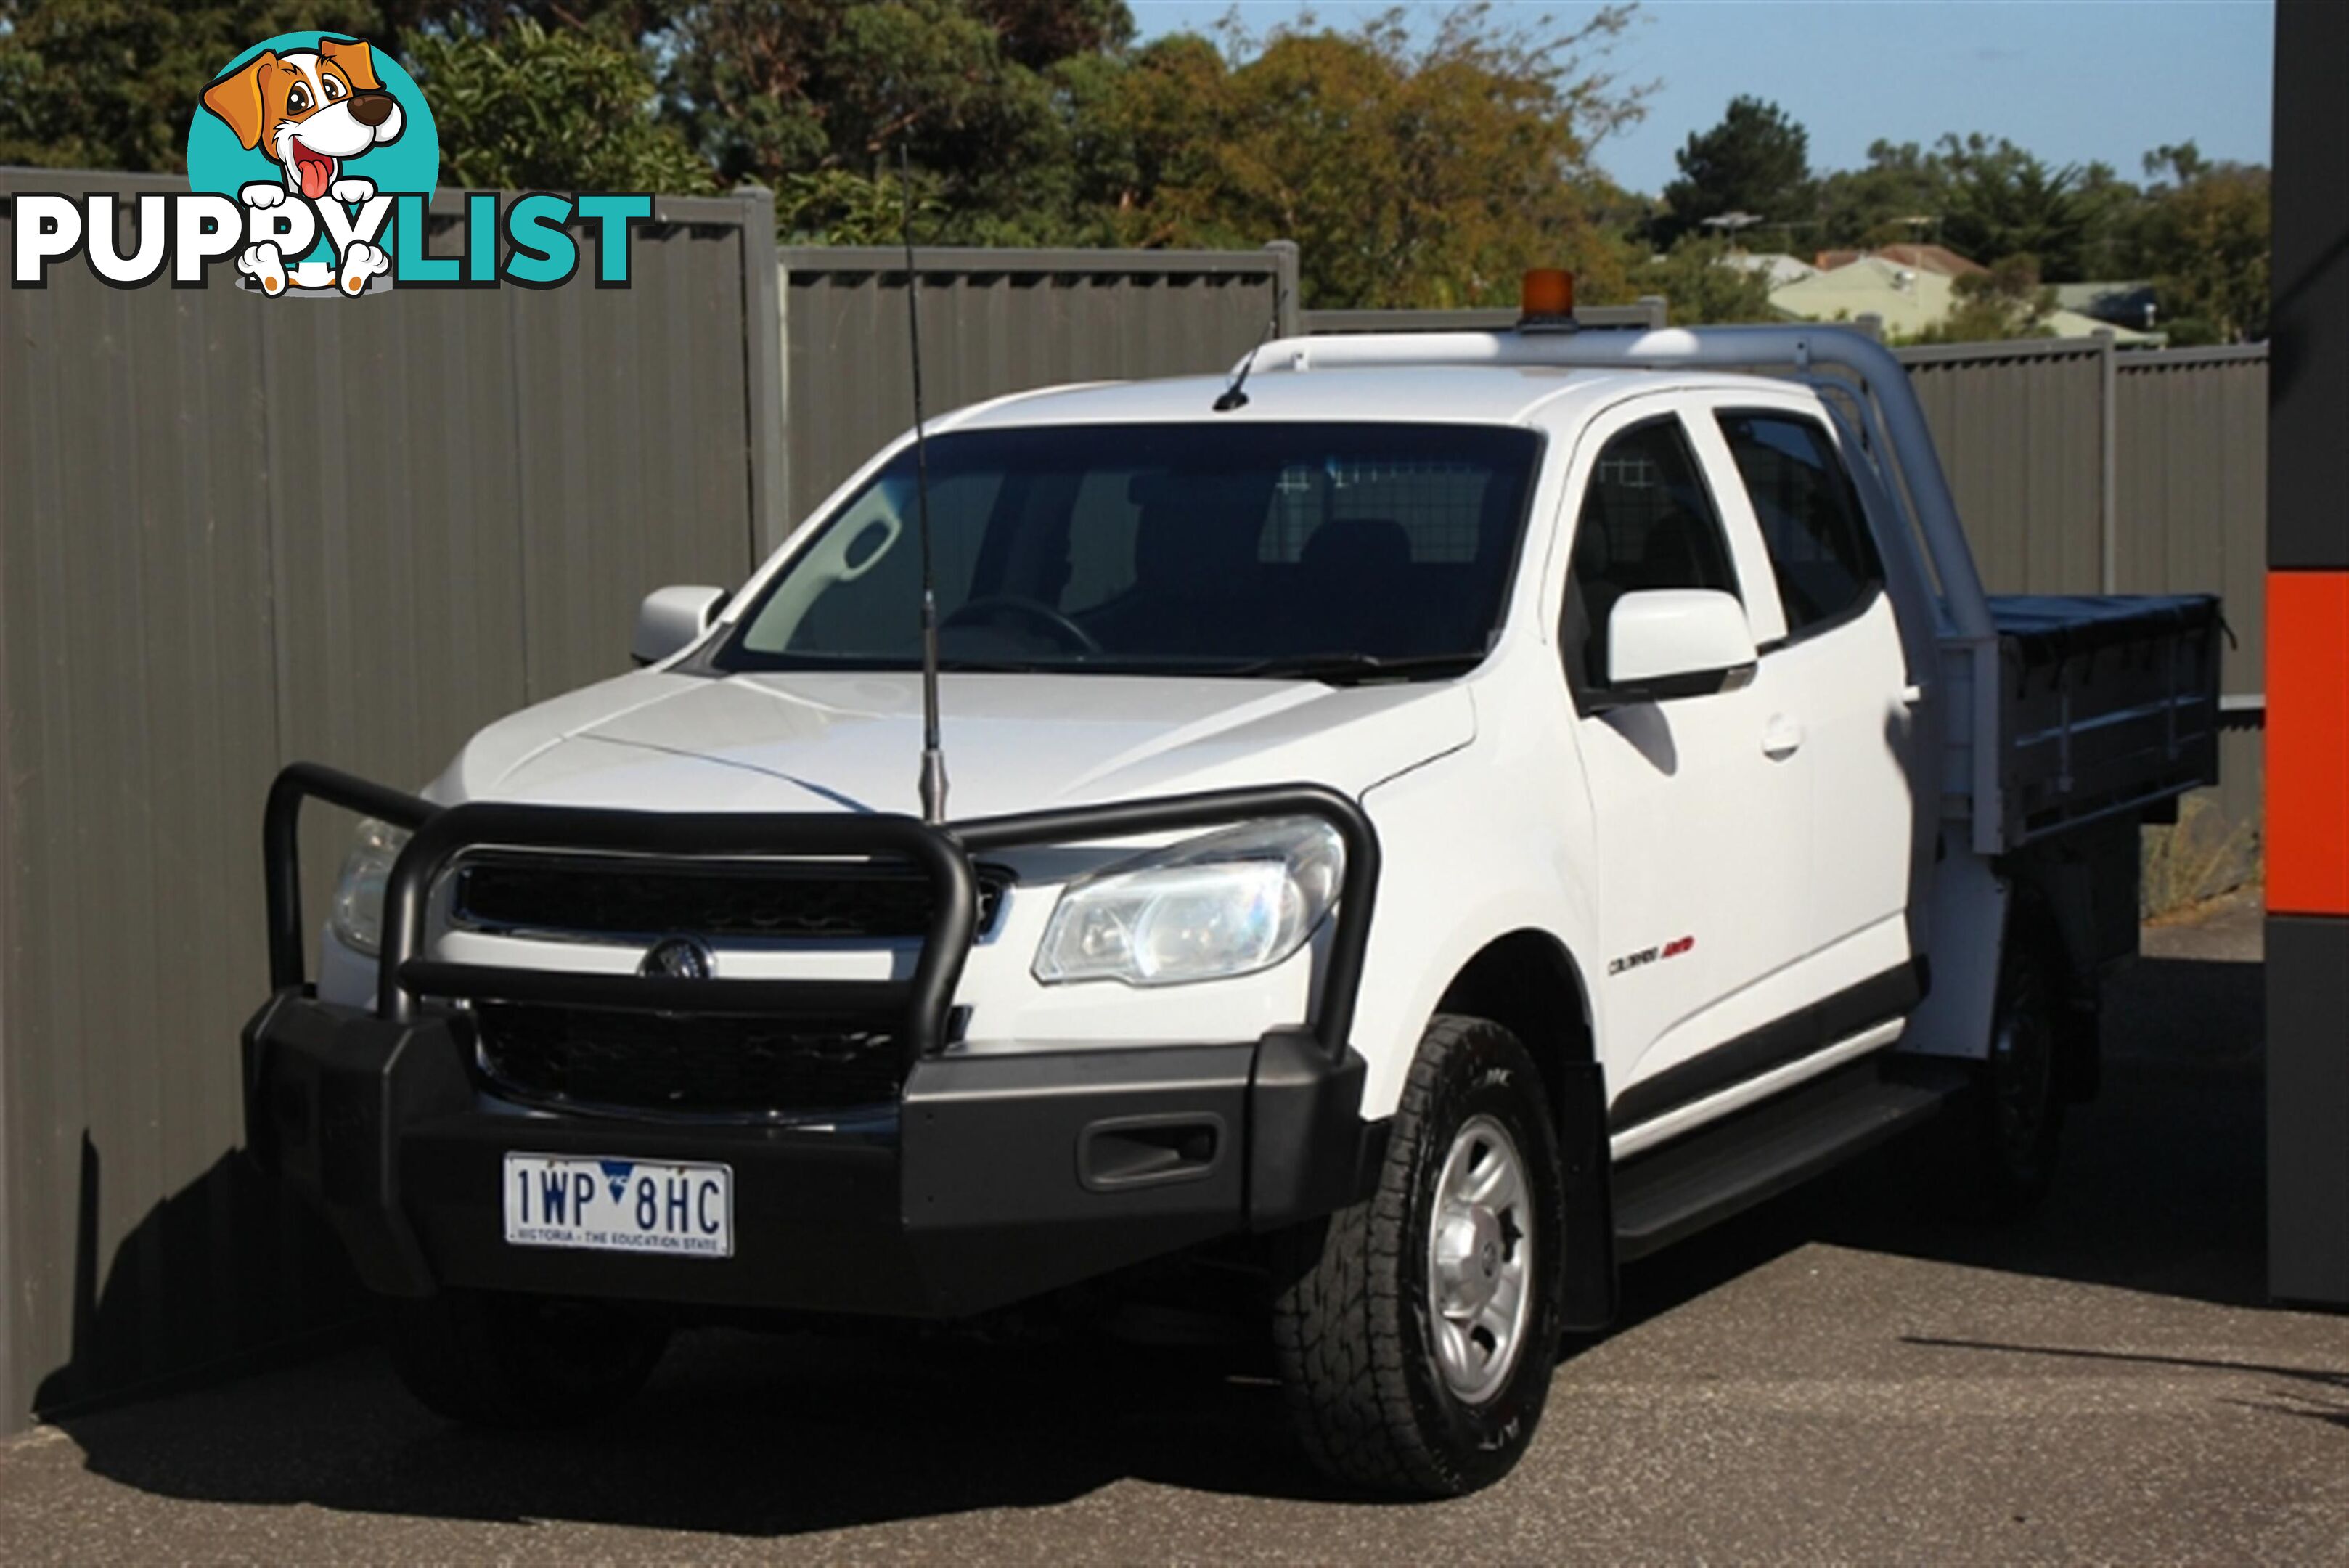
column 311, row 162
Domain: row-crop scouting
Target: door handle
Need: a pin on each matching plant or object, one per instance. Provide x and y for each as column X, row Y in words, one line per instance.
column 1782, row 739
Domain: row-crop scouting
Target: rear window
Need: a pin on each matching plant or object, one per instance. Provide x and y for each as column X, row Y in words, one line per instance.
column 1820, row 551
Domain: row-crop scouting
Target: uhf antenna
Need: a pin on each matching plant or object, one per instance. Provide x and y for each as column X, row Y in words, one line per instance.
column 934, row 760
column 1236, row 395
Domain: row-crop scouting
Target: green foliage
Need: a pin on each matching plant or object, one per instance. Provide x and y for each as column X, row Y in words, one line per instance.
column 1428, row 175
column 1700, row 291
column 980, row 93
column 1411, row 173
column 2204, row 242
column 1895, row 197
column 1999, row 201
column 2111, row 210
column 2007, row 301
column 533, row 110
column 111, row 84
column 1757, row 160
column 2199, row 229
column 835, row 207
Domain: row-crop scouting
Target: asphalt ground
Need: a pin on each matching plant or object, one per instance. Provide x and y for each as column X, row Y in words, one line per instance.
column 1829, row 1377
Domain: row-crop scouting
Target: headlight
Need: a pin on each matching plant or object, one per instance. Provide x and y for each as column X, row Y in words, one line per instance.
column 1229, row 903
column 357, row 914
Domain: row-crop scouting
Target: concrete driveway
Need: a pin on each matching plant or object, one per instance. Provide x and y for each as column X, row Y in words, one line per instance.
column 1827, row 1377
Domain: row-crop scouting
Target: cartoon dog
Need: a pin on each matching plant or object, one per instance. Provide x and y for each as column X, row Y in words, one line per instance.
column 311, row 111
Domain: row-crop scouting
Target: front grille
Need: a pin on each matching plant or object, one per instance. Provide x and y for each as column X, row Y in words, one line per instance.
column 775, row 900
column 710, row 1065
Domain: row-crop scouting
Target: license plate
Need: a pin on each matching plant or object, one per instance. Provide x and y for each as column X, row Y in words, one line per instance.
column 664, row 1208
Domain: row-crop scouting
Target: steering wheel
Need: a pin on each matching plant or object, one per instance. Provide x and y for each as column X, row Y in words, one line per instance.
column 1036, row 611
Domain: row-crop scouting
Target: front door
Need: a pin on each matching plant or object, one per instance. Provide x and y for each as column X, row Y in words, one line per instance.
column 1700, row 812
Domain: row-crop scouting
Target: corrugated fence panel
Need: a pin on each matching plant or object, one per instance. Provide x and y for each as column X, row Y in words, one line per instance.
column 235, row 532
column 992, row 322
column 2020, row 428
column 2191, row 430
column 630, row 411
column 135, row 603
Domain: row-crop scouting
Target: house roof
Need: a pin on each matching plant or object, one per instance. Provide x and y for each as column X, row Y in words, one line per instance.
column 1776, row 265
column 1907, row 299
column 1939, row 259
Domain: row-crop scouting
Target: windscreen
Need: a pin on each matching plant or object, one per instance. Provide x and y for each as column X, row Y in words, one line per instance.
column 1218, row 547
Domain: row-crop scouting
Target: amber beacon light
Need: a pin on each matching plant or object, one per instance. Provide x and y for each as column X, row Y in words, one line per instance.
column 1546, row 298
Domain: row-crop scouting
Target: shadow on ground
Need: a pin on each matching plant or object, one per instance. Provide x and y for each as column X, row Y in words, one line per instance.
column 769, row 1436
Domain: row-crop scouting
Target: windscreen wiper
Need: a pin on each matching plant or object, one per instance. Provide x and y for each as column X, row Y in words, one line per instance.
column 1354, row 668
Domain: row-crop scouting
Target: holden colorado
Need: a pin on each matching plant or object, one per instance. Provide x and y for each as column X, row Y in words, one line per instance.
column 1426, row 819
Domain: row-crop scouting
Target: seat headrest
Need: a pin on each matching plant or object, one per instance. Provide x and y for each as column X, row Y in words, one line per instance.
column 1354, row 544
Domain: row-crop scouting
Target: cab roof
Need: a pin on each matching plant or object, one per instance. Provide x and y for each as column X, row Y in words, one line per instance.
column 1414, row 393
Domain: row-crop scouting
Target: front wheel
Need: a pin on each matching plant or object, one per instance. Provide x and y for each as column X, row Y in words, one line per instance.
column 1416, row 1331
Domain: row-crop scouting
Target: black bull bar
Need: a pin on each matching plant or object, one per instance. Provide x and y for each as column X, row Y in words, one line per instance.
column 942, row 854
column 998, row 1175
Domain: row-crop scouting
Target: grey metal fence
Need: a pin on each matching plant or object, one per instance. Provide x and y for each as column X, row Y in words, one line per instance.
column 1649, row 310
column 2190, row 511
column 995, row 322
column 235, row 531
column 2083, row 468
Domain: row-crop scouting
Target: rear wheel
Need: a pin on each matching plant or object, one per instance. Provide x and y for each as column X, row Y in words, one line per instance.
column 1991, row 1156
column 2018, row 1116
column 1417, row 1330
column 491, row 1359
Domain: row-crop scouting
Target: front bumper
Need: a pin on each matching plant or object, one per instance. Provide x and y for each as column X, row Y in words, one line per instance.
column 993, row 1178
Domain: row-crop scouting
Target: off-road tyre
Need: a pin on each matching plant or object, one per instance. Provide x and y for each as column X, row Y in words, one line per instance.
column 487, row 1358
column 1989, row 1157
column 2019, row 1099
column 1352, row 1311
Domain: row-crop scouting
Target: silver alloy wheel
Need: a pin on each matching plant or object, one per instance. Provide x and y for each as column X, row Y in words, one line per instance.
column 1480, row 1265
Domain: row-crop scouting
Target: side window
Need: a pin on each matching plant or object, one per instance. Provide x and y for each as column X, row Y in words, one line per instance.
column 1647, row 521
column 1811, row 520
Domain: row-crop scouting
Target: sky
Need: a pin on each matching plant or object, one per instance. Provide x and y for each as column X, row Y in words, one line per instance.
column 2072, row 80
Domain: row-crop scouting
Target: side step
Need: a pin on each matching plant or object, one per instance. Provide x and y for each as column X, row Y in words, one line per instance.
column 1714, row 1172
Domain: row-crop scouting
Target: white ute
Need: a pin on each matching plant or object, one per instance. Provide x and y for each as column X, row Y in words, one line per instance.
column 1467, row 811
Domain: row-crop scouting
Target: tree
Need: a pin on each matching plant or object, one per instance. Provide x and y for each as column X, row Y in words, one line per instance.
column 2006, row 301
column 1424, row 175
column 827, row 93
column 1702, row 286
column 2204, row 240
column 111, row 84
column 1900, row 194
column 2111, row 210
column 1757, row 160
column 835, row 207
column 532, row 110
column 2004, row 201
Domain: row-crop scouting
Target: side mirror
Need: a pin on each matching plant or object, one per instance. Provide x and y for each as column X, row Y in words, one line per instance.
column 674, row 618
column 1676, row 642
